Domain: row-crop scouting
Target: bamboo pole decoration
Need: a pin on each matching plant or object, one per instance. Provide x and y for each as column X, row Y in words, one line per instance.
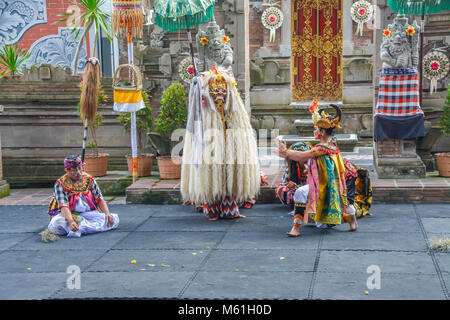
column 133, row 114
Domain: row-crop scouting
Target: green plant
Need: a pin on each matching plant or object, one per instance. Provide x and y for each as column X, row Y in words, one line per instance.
column 11, row 59
column 91, row 14
column 445, row 118
column 101, row 99
column 173, row 113
column 144, row 120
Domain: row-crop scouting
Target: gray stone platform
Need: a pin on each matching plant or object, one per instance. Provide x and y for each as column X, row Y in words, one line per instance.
column 179, row 254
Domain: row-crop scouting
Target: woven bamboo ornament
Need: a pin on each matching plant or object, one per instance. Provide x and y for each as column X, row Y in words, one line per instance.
column 128, row 92
column 436, row 66
column 127, row 14
column 361, row 12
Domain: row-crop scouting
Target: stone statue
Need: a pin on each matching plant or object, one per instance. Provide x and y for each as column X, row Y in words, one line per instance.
column 215, row 51
column 156, row 37
column 400, row 50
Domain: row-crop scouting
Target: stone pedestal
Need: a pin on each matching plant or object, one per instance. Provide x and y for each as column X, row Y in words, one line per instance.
column 4, row 187
column 397, row 159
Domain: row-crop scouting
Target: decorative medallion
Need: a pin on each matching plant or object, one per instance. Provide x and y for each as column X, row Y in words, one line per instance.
column 361, row 12
column 186, row 69
column 272, row 19
column 435, row 67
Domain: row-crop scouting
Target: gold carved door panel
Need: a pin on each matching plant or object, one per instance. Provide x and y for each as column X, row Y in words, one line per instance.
column 316, row 50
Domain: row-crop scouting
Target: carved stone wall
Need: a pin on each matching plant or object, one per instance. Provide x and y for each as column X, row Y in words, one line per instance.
column 159, row 53
column 32, row 24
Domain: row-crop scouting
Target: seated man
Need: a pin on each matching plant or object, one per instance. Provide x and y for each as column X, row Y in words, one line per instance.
column 74, row 208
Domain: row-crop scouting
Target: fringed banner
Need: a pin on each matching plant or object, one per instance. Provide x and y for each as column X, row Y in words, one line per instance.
column 127, row 14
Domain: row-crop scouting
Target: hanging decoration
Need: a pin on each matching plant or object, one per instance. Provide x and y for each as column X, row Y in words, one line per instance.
column 272, row 19
column 127, row 14
column 128, row 90
column 186, row 69
column 436, row 66
column 361, row 12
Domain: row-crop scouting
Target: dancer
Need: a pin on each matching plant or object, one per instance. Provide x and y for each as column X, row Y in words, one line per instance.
column 294, row 177
column 220, row 167
column 324, row 197
column 74, row 208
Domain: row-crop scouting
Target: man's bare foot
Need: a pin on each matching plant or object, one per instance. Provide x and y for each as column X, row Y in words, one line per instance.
column 353, row 223
column 295, row 232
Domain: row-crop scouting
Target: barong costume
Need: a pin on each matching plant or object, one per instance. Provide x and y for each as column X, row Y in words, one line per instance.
column 81, row 199
column 220, row 165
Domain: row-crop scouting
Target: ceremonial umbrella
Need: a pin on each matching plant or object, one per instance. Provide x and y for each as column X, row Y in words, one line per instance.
column 419, row 7
column 175, row 15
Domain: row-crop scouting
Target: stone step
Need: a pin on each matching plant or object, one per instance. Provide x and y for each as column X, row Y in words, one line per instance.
column 429, row 190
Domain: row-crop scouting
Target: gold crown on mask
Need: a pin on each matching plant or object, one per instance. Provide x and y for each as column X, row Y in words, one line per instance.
column 323, row 120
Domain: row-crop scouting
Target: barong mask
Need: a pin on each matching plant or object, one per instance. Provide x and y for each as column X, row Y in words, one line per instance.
column 323, row 120
column 218, row 90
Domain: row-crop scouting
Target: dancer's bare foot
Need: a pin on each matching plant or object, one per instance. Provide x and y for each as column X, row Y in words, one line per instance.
column 295, row 232
column 187, row 203
column 241, row 216
column 353, row 223
column 213, row 219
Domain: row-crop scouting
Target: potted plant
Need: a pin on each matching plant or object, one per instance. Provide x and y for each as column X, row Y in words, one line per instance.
column 11, row 60
column 96, row 164
column 173, row 116
column 443, row 159
column 144, row 122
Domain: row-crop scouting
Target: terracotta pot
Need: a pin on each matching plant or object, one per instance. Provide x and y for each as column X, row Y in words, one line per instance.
column 96, row 166
column 145, row 161
column 169, row 169
column 443, row 164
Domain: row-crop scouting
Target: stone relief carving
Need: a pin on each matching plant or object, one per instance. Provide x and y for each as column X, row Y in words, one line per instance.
column 156, row 37
column 18, row 16
column 358, row 68
column 57, row 50
column 216, row 51
column 400, row 50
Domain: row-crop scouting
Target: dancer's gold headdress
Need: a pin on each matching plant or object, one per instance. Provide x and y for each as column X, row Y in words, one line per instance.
column 323, row 120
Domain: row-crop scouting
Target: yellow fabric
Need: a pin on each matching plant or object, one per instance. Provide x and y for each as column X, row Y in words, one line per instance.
column 339, row 170
column 127, row 96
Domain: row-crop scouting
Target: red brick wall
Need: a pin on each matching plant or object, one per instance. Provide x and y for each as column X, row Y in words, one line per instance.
column 54, row 8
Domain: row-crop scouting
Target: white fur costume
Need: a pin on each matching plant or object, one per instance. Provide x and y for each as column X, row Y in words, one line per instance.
column 217, row 165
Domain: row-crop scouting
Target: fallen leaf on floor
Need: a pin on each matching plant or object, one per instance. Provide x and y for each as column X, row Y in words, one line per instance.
column 133, row 261
column 151, row 265
column 236, row 270
column 282, row 258
column 165, row 265
column 142, row 269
